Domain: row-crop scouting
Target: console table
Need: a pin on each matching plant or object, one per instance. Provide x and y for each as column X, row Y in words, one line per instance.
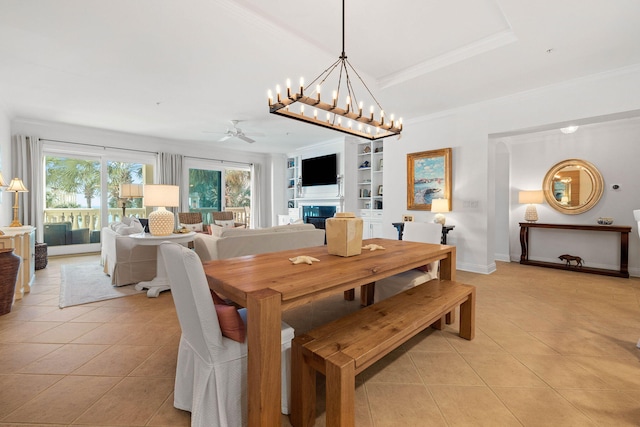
column 445, row 230
column 624, row 247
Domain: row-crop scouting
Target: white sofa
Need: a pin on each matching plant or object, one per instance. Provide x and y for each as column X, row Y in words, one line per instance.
column 124, row 260
column 233, row 242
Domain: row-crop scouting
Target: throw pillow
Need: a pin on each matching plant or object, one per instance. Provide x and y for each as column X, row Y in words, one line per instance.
column 145, row 224
column 231, row 324
column 192, row 227
column 227, row 223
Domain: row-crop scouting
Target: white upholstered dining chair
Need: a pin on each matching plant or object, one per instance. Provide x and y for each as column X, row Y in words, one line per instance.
column 424, row 232
column 211, row 372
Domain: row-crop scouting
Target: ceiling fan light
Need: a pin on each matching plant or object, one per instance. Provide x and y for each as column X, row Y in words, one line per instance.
column 569, row 129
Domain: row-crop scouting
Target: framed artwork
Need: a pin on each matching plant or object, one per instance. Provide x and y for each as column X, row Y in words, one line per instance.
column 407, row 218
column 428, row 177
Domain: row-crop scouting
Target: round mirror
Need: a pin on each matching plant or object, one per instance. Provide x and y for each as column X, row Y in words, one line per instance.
column 573, row 186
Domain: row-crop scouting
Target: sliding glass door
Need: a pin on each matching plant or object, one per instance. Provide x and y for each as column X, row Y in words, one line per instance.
column 216, row 188
column 82, row 195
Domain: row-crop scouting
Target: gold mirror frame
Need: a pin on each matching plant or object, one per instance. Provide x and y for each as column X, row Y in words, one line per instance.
column 574, row 207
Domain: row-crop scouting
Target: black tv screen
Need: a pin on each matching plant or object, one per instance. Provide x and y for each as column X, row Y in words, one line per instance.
column 320, row 170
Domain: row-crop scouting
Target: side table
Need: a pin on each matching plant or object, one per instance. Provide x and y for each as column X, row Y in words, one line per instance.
column 445, row 230
column 161, row 281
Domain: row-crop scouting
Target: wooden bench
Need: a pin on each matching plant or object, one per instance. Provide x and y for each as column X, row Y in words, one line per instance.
column 345, row 347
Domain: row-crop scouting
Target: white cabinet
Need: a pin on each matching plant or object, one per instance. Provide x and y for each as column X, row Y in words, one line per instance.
column 23, row 241
column 371, row 223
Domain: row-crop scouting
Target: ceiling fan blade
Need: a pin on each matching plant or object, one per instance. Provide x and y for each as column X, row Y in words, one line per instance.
column 224, row 138
column 246, row 139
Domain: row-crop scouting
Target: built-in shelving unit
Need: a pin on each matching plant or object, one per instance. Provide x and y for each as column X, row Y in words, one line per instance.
column 370, row 166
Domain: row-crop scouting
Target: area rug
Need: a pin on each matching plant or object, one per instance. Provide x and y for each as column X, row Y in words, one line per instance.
column 84, row 283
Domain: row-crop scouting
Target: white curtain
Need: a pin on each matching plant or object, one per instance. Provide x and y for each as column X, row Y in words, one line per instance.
column 27, row 159
column 256, row 195
column 170, row 172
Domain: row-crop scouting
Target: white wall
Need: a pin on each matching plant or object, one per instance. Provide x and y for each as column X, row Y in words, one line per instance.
column 474, row 131
column 6, row 213
column 99, row 138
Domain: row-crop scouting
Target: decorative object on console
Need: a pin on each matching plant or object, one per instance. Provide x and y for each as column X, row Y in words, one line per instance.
column 357, row 123
column 603, row 220
column 568, row 258
column 531, row 198
column 128, row 192
column 16, row 186
column 428, row 177
column 161, row 221
column 344, row 234
column 439, row 206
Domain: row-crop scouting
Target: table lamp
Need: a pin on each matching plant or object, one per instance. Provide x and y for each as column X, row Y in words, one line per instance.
column 531, row 198
column 16, row 186
column 161, row 221
column 439, row 206
column 128, row 192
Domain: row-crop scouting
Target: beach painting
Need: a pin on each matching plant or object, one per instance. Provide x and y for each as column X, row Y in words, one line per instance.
column 428, row 178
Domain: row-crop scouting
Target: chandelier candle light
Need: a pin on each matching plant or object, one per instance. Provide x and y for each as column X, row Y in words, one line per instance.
column 161, row 221
column 356, row 121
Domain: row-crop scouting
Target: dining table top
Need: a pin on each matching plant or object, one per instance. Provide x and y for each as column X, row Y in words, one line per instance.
column 300, row 283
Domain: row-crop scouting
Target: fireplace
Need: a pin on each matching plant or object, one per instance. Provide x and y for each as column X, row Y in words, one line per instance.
column 317, row 215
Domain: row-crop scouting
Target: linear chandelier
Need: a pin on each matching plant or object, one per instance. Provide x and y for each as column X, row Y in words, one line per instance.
column 349, row 118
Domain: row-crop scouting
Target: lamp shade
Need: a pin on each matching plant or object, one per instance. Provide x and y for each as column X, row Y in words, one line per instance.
column 2, row 182
column 531, row 197
column 440, row 205
column 17, row 186
column 161, row 195
column 128, row 191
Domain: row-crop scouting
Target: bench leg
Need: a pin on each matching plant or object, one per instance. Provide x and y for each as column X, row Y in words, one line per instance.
column 366, row 294
column 350, row 295
column 439, row 324
column 468, row 317
column 341, row 391
column 303, row 386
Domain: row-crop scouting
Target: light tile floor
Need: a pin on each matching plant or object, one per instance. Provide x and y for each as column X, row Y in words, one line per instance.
column 551, row 348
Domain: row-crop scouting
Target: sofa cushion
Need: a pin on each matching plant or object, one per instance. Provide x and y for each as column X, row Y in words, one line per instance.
column 129, row 225
column 225, row 223
column 192, row 227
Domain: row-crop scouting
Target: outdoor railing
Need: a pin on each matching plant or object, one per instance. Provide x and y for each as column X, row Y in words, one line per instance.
column 89, row 218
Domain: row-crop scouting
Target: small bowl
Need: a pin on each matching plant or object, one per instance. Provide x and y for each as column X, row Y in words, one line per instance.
column 605, row 221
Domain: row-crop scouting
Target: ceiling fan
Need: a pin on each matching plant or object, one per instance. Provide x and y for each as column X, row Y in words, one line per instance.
column 236, row 132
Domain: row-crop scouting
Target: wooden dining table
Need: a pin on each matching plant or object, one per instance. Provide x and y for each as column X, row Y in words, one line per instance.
column 269, row 283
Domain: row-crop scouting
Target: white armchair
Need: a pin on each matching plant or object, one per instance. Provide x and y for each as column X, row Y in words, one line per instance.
column 124, row 260
column 425, row 232
column 211, row 373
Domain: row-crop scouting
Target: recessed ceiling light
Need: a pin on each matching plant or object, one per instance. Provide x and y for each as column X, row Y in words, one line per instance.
column 569, row 129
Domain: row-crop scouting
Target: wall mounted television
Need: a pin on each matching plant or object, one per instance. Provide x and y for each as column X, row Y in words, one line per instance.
column 321, row 170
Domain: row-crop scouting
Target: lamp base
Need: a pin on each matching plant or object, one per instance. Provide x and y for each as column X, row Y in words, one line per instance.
column 161, row 222
column 439, row 219
column 531, row 214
